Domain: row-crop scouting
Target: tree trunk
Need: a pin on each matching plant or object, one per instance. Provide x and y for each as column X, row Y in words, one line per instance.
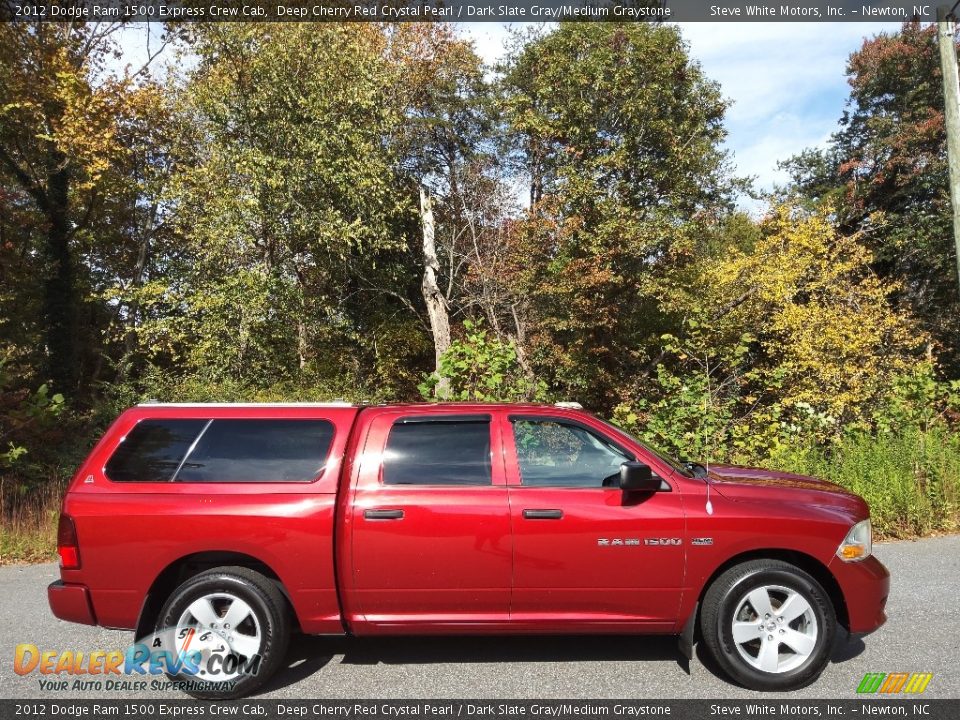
column 303, row 332
column 302, row 344
column 434, row 299
column 59, row 301
column 536, row 174
column 139, row 270
column 520, row 343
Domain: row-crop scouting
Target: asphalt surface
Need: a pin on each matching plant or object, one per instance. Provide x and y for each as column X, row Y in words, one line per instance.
column 921, row 635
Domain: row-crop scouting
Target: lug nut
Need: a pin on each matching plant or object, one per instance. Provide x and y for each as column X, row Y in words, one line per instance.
column 769, row 637
column 783, row 632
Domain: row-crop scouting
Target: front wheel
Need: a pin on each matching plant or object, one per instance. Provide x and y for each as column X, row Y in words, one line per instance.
column 769, row 625
column 225, row 632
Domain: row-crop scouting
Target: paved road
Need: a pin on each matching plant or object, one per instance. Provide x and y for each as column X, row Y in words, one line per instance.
column 922, row 634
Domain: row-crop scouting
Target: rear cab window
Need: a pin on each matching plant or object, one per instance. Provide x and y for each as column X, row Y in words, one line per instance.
column 152, row 450
column 222, row 450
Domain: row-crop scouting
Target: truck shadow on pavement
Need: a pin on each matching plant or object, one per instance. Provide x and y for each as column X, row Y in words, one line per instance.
column 308, row 655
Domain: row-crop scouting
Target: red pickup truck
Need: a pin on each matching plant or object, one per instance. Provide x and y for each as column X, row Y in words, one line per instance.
column 215, row 530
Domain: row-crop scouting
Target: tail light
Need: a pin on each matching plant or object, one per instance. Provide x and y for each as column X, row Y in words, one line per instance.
column 67, row 546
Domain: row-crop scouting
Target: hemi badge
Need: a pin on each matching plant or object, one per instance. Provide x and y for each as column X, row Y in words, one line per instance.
column 702, row 541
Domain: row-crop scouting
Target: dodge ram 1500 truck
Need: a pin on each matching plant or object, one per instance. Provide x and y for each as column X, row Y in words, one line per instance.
column 215, row 530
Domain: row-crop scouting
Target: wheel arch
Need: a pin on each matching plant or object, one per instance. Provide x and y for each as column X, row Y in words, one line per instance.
column 183, row 568
column 808, row 563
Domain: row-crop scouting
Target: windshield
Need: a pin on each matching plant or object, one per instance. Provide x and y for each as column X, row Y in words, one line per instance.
column 667, row 459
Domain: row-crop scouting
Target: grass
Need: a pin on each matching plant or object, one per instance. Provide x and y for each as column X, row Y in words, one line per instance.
column 911, row 480
column 28, row 525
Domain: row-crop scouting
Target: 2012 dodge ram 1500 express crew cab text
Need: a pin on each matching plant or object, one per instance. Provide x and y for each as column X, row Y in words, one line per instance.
column 216, row 530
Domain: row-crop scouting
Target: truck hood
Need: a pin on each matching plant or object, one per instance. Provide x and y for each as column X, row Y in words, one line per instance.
column 746, row 483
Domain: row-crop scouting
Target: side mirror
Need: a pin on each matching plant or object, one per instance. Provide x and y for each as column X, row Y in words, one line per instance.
column 638, row 477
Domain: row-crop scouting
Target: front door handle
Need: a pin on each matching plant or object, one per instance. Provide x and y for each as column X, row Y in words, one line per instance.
column 383, row 514
column 543, row 514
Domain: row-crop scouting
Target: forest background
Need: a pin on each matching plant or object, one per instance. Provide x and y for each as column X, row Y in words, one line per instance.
column 369, row 213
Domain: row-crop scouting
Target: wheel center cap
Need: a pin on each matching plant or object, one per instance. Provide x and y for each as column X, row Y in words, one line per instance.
column 771, row 626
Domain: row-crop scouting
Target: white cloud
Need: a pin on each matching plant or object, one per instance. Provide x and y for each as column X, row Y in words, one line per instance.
column 138, row 43
column 787, row 83
column 489, row 39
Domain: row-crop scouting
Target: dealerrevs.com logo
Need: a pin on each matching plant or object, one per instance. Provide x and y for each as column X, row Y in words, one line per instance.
column 196, row 661
column 893, row 683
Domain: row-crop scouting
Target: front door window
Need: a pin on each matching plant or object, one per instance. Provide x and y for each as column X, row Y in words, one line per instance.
column 557, row 454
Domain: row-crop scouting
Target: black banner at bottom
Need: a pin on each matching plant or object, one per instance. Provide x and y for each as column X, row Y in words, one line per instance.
column 868, row 707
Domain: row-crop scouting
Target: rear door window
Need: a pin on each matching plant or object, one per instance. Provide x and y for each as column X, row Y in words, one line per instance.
column 438, row 452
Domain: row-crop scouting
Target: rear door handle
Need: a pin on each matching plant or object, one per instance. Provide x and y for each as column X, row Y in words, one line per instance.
column 383, row 514
column 543, row 514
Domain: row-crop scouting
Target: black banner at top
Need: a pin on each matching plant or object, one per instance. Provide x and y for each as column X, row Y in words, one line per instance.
column 466, row 10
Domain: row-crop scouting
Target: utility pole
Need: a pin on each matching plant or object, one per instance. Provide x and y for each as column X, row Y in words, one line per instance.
column 946, row 27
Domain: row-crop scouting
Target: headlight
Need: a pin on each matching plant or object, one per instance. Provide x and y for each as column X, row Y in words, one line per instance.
column 858, row 544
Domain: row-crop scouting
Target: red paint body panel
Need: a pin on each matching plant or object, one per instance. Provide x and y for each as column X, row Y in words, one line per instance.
column 866, row 586
column 461, row 559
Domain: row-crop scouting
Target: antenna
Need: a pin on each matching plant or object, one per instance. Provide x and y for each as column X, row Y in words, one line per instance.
column 707, row 402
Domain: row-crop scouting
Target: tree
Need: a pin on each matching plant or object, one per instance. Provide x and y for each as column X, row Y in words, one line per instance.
column 44, row 76
column 884, row 174
column 790, row 332
column 61, row 136
column 444, row 102
column 287, row 206
column 480, row 368
column 618, row 132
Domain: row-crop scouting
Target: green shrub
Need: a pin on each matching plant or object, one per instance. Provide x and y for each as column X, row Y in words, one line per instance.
column 480, row 368
column 911, row 479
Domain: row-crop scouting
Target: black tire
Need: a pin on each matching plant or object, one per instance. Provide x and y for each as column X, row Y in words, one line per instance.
column 269, row 617
column 726, row 596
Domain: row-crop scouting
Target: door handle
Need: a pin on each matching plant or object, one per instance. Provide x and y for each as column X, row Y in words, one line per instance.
column 383, row 514
column 543, row 514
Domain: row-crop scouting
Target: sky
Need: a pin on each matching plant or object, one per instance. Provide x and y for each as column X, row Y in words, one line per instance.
column 786, row 81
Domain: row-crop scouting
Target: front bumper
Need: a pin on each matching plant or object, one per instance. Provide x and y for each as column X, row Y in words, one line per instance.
column 71, row 602
column 865, row 586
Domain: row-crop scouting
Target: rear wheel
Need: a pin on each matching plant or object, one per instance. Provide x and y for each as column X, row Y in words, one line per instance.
column 229, row 628
column 769, row 625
